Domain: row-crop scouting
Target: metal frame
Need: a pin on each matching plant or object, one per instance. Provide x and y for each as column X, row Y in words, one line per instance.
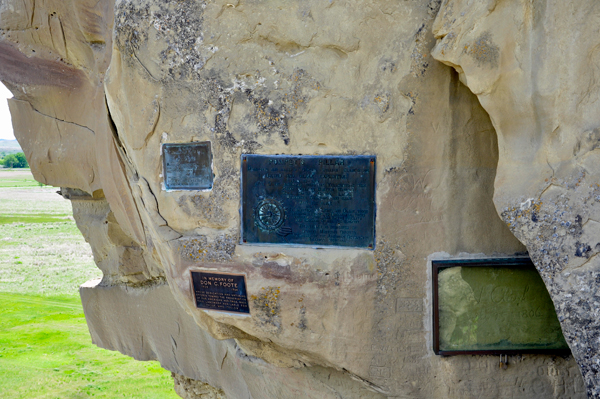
column 515, row 262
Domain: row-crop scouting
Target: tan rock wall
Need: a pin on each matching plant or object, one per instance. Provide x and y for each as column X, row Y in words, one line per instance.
column 270, row 77
column 534, row 68
column 193, row 355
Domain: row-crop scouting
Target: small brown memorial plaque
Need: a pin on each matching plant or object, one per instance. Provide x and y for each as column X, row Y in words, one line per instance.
column 220, row 291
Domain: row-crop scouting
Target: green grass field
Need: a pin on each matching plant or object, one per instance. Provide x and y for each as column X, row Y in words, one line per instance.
column 18, row 181
column 45, row 346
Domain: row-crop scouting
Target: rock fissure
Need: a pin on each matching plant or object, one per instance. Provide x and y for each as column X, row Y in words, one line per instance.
column 61, row 120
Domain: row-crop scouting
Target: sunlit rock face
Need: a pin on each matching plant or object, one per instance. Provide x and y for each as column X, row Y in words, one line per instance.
column 100, row 87
column 534, row 67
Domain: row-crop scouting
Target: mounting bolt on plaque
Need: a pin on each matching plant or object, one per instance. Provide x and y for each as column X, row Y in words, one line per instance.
column 504, row 362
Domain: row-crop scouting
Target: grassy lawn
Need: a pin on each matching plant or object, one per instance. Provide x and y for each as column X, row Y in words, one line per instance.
column 45, row 352
column 18, row 181
column 45, row 347
column 44, row 258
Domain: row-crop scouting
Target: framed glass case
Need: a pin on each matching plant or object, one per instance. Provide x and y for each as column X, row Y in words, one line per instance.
column 493, row 306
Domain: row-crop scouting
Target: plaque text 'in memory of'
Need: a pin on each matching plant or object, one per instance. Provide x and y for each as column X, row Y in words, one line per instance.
column 309, row 200
column 220, row 291
column 187, row 166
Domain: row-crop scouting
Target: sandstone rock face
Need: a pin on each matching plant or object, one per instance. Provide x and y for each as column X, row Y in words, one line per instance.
column 101, row 86
column 534, row 67
column 193, row 355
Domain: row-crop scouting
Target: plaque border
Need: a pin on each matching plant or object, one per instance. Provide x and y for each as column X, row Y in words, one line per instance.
column 232, row 312
column 187, row 188
column 315, row 246
column 508, row 262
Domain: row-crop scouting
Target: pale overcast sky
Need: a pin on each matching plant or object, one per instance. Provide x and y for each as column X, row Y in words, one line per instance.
column 6, row 130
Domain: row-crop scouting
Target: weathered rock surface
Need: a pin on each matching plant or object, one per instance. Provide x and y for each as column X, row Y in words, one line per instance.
column 188, row 388
column 99, row 87
column 193, row 355
column 534, row 67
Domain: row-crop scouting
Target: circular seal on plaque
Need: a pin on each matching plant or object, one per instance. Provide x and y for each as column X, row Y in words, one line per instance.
column 269, row 214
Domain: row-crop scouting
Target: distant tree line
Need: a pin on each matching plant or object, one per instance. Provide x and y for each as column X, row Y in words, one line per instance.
column 16, row 160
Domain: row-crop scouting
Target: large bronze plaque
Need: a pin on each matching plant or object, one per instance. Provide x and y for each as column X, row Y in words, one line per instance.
column 309, row 200
column 493, row 306
column 220, row 291
column 187, row 166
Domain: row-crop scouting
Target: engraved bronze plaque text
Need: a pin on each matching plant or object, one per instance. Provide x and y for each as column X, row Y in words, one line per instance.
column 309, row 200
column 187, row 166
column 220, row 291
column 493, row 306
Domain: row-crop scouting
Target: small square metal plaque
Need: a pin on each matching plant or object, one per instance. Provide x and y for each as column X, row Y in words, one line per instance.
column 187, row 166
column 493, row 306
column 309, row 200
column 224, row 292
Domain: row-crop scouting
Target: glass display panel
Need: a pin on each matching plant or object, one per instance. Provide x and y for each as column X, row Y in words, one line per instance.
column 493, row 308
